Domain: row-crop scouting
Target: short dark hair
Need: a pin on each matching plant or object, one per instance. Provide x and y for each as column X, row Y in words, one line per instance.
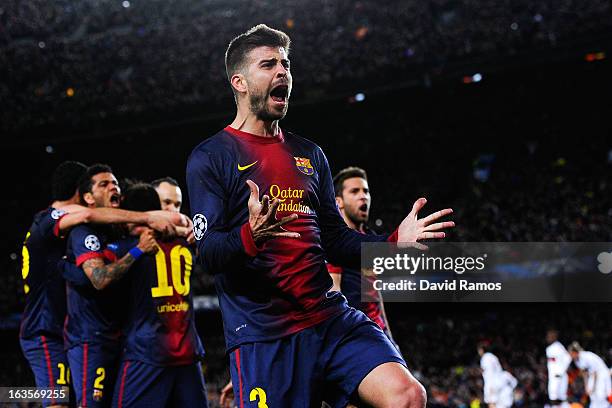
column 259, row 36
column 575, row 346
column 155, row 183
column 140, row 197
column 86, row 182
column 65, row 179
column 347, row 173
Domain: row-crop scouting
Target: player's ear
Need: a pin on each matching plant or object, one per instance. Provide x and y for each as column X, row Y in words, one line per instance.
column 238, row 82
column 89, row 198
column 340, row 202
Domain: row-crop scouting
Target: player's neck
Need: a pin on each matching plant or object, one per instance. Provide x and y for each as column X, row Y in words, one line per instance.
column 353, row 225
column 249, row 123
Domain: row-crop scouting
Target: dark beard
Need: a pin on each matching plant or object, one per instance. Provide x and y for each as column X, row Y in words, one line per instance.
column 355, row 219
column 260, row 108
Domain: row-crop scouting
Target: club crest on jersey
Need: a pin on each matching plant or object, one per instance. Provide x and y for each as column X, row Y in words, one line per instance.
column 97, row 395
column 304, row 165
column 200, row 224
column 56, row 214
column 92, row 243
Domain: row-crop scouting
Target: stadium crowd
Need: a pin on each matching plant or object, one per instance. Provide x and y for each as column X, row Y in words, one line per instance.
column 515, row 161
column 75, row 63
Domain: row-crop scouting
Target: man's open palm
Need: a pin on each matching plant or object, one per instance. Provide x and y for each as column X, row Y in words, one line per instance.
column 262, row 217
column 413, row 229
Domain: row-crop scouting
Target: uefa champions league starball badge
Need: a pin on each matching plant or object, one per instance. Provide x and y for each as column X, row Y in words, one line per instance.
column 92, row 243
column 200, row 224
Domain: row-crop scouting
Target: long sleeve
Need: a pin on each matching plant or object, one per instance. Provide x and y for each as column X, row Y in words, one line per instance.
column 219, row 246
column 342, row 244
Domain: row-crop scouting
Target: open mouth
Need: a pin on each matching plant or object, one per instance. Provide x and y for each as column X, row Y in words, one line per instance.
column 363, row 207
column 115, row 200
column 280, row 93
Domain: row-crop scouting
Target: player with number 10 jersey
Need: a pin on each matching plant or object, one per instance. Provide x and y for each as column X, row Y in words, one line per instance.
column 160, row 362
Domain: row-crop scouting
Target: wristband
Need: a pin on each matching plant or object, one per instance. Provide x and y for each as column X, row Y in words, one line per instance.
column 136, row 252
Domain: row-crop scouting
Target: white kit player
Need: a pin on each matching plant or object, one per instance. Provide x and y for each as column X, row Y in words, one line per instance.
column 507, row 384
column 598, row 384
column 491, row 375
column 557, row 362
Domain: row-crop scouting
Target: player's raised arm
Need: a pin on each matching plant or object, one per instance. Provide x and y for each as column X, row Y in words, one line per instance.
column 102, row 275
column 343, row 245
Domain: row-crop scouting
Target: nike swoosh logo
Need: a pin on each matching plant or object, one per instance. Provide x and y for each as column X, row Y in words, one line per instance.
column 241, row 168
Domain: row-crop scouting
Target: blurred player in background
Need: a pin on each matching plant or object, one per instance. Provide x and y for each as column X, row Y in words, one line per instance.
column 171, row 198
column 160, row 362
column 491, row 375
column 92, row 329
column 507, row 384
column 42, row 325
column 286, row 334
column 557, row 362
column 597, row 382
column 42, row 322
column 169, row 192
column 353, row 199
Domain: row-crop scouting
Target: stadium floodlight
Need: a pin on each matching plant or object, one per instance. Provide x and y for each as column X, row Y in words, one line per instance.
column 125, row 4
column 359, row 97
column 477, row 77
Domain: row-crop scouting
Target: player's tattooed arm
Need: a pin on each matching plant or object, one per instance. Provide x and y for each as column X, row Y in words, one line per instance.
column 102, row 275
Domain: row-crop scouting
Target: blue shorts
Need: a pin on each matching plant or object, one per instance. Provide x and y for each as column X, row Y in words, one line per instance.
column 94, row 370
column 145, row 385
column 48, row 361
column 325, row 362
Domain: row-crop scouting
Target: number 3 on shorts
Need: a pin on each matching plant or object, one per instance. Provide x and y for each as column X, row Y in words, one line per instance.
column 258, row 392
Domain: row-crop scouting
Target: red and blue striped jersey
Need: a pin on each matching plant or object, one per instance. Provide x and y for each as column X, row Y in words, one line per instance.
column 160, row 324
column 44, row 287
column 351, row 287
column 282, row 287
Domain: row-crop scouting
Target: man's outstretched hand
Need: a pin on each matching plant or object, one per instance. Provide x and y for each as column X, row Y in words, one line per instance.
column 262, row 217
column 413, row 229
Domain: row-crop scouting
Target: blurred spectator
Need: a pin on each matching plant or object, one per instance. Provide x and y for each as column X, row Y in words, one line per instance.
column 76, row 63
